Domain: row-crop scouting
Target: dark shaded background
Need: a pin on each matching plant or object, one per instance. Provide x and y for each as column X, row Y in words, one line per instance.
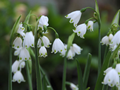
column 55, row 10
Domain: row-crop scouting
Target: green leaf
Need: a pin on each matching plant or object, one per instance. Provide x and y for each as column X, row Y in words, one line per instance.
column 116, row 18
column 27, row 21
column 107, row 60
column 70, row 40
column 44, row 83
column 87, row 70
column 15, row 27
column 80, row 79
column 96, row 7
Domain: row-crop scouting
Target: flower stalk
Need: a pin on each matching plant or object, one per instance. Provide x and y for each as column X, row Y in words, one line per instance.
column 38, row 71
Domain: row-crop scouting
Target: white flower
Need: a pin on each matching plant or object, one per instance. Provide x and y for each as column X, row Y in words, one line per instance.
column 64, row 51
column 90, row 25
column 118, row 68
column 73, row 86
column 21, row 30
column 18, row 77
column 75, row 17
column 43, row 21
column 42, row 52
column 22, row 64
column 116, row 39
column 24, row 54
column 77, row 49
column 17, row 43
column 58, row 46
column 45, row 41
column 29, row 39
column 111, row 78
column 17, row 51
column 15, row 66
column 81, row 30
column 105, row 40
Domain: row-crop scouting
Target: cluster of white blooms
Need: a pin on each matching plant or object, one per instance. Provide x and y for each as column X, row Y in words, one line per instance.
column 21, row 51
column 112, row 76
column 43, row 41
column 82, row 28
column 73, row 86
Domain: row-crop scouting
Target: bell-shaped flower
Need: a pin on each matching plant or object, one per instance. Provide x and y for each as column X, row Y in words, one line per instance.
column 15, row 66
column 45, row 40
column 116, row 39
column 43, row 21
column 77, row 49
column 18, row 77
column 73, row 86
column 29, row 39
column 81, row 30
column 17, row 43
column 42, row 51
column 57, row 46
column 118, row 68
column 90, row 25
column 24, row 54
column 22, row 64
column 111, row 78
column 74, row 17
column 17, row 51
column 64, row 51
column 105, row 40
column 21, row 30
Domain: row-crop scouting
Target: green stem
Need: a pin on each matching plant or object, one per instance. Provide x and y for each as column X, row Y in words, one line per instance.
column 10, row 67
column 105, row 87
column 57, row 36
column 46, row 78
column 99, row 50
column 38, row 71
column 64, row 74
column 29, row 76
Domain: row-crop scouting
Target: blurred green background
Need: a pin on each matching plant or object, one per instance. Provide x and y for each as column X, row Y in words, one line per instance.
column 55, row 10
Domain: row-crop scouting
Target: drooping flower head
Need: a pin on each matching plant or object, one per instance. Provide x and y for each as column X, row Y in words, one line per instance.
column 116, row 39
column 74, row 17
column 45, row 40
column 18, row 77
column 90, row 25
column 73, row 86
column 111, row 78
column 81, row 30
column 58, row 46
column 118, row 68
column 42, row 51
column 28, row 40
column 43, row 21
column 105, row 40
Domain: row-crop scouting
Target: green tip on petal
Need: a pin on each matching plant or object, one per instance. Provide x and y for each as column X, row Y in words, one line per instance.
column 66, row 16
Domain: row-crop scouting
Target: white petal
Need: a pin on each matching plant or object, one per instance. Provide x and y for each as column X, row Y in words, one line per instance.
column 15, row 66
column 46, row 41
column 90, row 25
column 17, row 43
column 105, row 40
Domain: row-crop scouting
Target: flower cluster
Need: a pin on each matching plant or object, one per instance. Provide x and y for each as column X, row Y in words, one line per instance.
column 20, row 44
column 82, row 28
column 112, row 76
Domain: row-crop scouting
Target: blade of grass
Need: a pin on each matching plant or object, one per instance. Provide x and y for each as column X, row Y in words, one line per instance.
column 10, row 53
column 80, row 79
column 87, row 70
column 29, row 76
